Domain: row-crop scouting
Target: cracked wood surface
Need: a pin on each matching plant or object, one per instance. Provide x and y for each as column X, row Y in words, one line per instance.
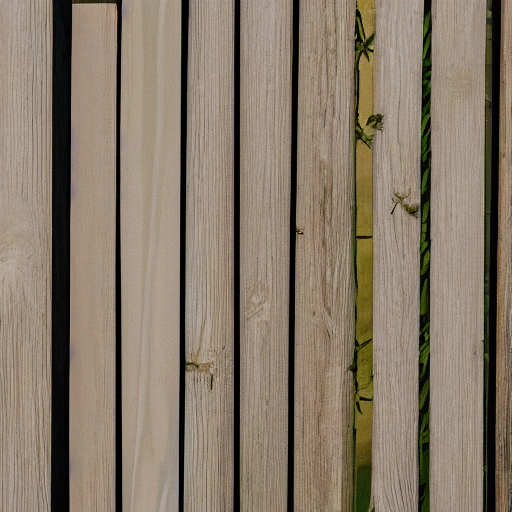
column 396, row 266
column 93, row 255
column 457, row 256
column 209, row 310
column 150, row 252
column 265, row 138
column 25, row 254
column 325, row 310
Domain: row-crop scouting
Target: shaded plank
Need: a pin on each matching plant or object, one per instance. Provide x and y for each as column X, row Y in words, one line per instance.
column 265, row 135
column 396, row 264
column 93, row 255
column 209, row 263
column 150, row 252
column 457, row 255
column 325, row 309
column 25, row 254
column 504, row 281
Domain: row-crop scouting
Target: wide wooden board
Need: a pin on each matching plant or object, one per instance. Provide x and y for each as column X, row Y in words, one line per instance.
column 396, row 264
column 324, row 308
column 93, row 259
column 150, row 252
column 457, row 256
column 25, row 254
column 209, row 295
column 265, row 149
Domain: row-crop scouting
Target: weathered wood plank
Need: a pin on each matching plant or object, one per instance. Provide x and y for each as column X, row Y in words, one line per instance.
column 457, row 255
column 504, row 290
column 150, row 252
column 25, row 254
column 209, row 263
column 93, row 255
column 325, row 310
column 396, row 265
column 265, row 137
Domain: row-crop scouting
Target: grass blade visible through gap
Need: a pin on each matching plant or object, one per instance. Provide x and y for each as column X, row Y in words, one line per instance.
column 424, row 360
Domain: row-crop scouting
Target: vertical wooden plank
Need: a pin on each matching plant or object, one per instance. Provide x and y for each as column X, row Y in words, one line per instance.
column 93, row 259
column 457, row 255
column 325, row 310
column 25, row 254
column 504, row 284
column 150, row 252
column 265, row 138
column 396, row 265
column 209, row 262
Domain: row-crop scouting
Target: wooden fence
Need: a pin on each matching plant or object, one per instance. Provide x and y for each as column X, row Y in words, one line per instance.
column 212, row 235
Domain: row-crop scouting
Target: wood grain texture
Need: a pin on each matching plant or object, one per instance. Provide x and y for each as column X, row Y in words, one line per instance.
column 209, row 263
column 457, row 256
column 94, row 1
column 265, row 138
column 325, row 308
column 504, row 285
column 396, row 263
column 150, row 252
column 93, row 259
column 25, row 254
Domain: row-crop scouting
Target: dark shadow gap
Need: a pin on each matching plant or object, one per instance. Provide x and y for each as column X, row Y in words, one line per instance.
column 492, row 240
column 236, row 253
column 119, row 397
column 183, row 240
column 60, row 280
column 424, row 292
column 293, row 236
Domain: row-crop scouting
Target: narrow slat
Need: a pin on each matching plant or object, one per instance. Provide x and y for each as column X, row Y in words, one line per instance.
column 265, row 137
column 209, row 262
column 504, row 291
column 150, row 252
column 25, row 254
column 325, row 312
column 396, row 266
column 93, row 254
column 457, row 255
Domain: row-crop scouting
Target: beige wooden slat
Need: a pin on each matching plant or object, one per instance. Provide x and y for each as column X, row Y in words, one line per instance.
column 457, row 256
column 150, row 252
column 396, row 265
column 25, row 254
column 504, row 291
column 93, row 255
column 265, row 136
column 325, row 311
column 209, row 262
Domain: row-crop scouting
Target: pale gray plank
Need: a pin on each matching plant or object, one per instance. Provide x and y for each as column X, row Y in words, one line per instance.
column 325, row 309
column 25, row 254
column 396, row 265
column 150, row 252
column 457, row 256
column 93, row 259
column 265, row 136
column 209, row 263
